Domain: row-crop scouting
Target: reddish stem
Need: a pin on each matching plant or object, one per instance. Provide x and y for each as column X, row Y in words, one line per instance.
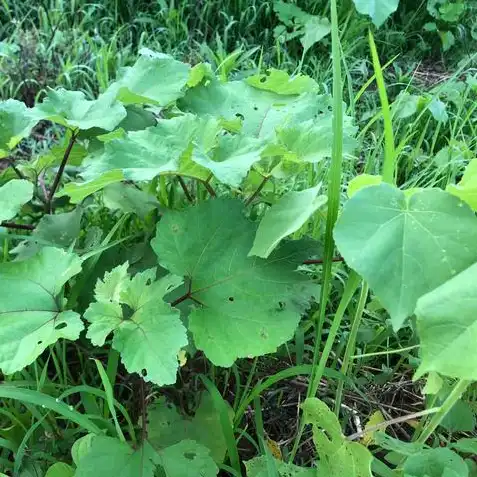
column 320, row 260
column 12, row 225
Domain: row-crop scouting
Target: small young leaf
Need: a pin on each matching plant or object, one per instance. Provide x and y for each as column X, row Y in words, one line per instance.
column 60, row 470
column 378, row 10
column 280, row 82
column 315, row 29
column 128, row 198
column 362, row 181
column 148, row 333
column 77, row 191
column 466, row 189
column 258, row 467
column 187, row 459
column 438, row 462
column 286, row 216
column 13, row 195
column 403, row 246
column 109, row 457
column 209, row 244
column 338, row 456
column 16, row 123
column 167, row 427
column 31, row 315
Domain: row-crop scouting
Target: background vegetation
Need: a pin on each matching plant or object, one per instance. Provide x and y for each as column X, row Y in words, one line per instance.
column 409, row 93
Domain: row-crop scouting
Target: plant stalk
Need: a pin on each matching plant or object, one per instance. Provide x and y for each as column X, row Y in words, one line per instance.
column 351, row 343
column 59, row 174
column 350, row 288
column 447, row 405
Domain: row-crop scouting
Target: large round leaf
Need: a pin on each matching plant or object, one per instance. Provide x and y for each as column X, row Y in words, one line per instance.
column 246, row 306
column 405, row 247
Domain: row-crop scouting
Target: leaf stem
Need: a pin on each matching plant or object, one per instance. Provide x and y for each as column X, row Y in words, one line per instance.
column 56, row 182
column 209, row 188
column 12, row 225
column 321, row 260
column 259, row 189
column 185, row 189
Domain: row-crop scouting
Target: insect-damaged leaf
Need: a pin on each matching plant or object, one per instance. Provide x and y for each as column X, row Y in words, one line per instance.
column 148, row 333
column 246, row 306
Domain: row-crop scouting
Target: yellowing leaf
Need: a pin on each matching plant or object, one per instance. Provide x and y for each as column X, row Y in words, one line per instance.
column 375, row 419
column 274, row 449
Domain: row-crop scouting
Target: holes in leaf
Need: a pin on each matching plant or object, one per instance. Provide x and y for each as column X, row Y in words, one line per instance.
column 255, row 108
column 281, row 305
column 189, row 455
column 40, row 343
column 240, row 116
column 263, row 79
column 143, row 373
column 128, row 312
column 60, row 326
column 231, row 298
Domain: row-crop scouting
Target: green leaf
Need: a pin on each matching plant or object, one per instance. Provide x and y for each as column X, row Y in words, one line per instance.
column 13, row 195
column 438, row 110
column 280, row 82
column 378, row 10
column 16, row 123
column 466, row 445
column 403, row 246
column 60, row 470
column 127, row 198
column 438, row 462
column 209, row 244
column 362, row 181
column 466, row 189
column 78, row 191
column 59, row 230
column 258, row 467
column 167, row 427
column 187, row 459
column 260, row 111
column 448, row 40
column 338, row 456
column 142, row 155
column 446, row 322
column 155, row 78
column 148, row 333
column 315, row 29
column 110, row 457
column 310, row 141
column 286, row 216
column 73, row 110
column 406, row 105
column 31, row 309
column 232, row 159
